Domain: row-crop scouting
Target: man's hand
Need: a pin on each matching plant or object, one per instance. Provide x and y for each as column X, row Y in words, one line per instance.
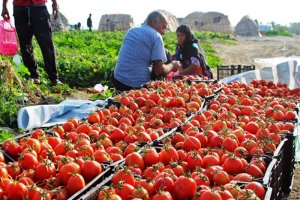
column 176, row 65
column 5, row 13
column 55, row 9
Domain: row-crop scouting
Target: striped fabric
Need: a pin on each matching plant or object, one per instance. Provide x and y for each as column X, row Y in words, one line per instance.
column 279, row 71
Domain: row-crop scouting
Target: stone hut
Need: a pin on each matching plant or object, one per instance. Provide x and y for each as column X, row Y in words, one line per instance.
column 191, row 19
column 60, row 24
column 115, row 22
column 246, row 27
column 210, row 21
column 171, row 19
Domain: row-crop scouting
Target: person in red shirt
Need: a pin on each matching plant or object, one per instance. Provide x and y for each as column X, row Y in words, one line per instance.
column 32, row 18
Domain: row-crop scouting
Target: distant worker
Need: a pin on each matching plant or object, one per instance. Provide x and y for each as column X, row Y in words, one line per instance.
column 89, row 22
column 32, row 18
column 79, row 26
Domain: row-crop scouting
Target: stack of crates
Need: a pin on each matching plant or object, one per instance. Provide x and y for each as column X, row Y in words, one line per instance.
column 280, row 172
column 288, row 165
column 224, row 71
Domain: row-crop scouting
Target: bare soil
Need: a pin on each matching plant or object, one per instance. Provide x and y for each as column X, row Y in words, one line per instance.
column 249, row 48
column 295, row 192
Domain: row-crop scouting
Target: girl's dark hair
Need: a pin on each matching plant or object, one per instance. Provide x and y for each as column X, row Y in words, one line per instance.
column 189, row 35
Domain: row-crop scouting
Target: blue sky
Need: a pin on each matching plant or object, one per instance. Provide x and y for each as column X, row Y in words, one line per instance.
column 282, row 12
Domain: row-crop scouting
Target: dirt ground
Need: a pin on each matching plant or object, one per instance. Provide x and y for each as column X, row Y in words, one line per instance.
column 295, row 192
column 248, row 49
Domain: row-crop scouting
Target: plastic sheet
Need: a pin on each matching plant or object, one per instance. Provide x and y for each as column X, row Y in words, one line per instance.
column 278, row 70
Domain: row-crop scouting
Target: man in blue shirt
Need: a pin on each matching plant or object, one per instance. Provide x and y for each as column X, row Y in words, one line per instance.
column 143, row 51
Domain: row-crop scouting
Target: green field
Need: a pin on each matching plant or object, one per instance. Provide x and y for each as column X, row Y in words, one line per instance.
column 84, row 59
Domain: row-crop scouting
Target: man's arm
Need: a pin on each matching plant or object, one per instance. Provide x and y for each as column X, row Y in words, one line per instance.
column 55, row 9
column 160, row 69
column 5, row 13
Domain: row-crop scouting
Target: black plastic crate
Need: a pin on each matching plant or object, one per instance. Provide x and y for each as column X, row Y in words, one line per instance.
column 97, row 180
column 224, row 71
column 7, row 157
column 288, row 163
column 280, row 172
column 93, row 192
column 273, row 178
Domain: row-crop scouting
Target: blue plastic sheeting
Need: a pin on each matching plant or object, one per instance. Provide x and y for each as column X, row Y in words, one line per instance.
column 49, row 115
column 284, row 72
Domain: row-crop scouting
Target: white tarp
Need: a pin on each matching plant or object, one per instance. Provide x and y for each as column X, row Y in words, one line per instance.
column 279, row 70
column 49, row 115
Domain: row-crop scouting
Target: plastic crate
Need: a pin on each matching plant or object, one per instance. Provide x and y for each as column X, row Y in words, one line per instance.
column 99, row 179
column 288, row 163
column 273, row 178
column 280, row 172
column 224, row 71
column 7, row 157
column 93, row 192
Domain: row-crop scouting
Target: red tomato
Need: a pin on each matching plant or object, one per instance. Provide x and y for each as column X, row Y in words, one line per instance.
column 210, row 160
column 257, row 188
column 3, row 172
column 90, row 170
column 136, row 160
column 140, row 193
column 241, row 152
column 68, row 127
column 101, row 156
column 15, row 190
column 194, row 160
column 230, row 144
column 221, row 178
column 254, row 171
column 83, row 128
column 147, row 184
column 45, row 169
column 67, row 170
column 125, row 191
column 184, row 188
column 13, row 169
column 28, row 161
column 93, row 118
column 123, row 175
column 150, row 156
column 164, row 183
column 191, row 143
column 202, row 179
column 162, row 195
column 244, row 177
column 116, row 135
column 12, row 148
column 168, row 154
column 233, row 165
column 75, row 183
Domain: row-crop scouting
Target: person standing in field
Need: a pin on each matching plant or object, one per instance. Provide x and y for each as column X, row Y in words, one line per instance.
column 90, row 23
column 142, row 53
column 32, row 18
column 79, row 26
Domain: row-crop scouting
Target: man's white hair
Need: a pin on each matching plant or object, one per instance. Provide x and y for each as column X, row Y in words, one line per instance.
column 159, row 16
